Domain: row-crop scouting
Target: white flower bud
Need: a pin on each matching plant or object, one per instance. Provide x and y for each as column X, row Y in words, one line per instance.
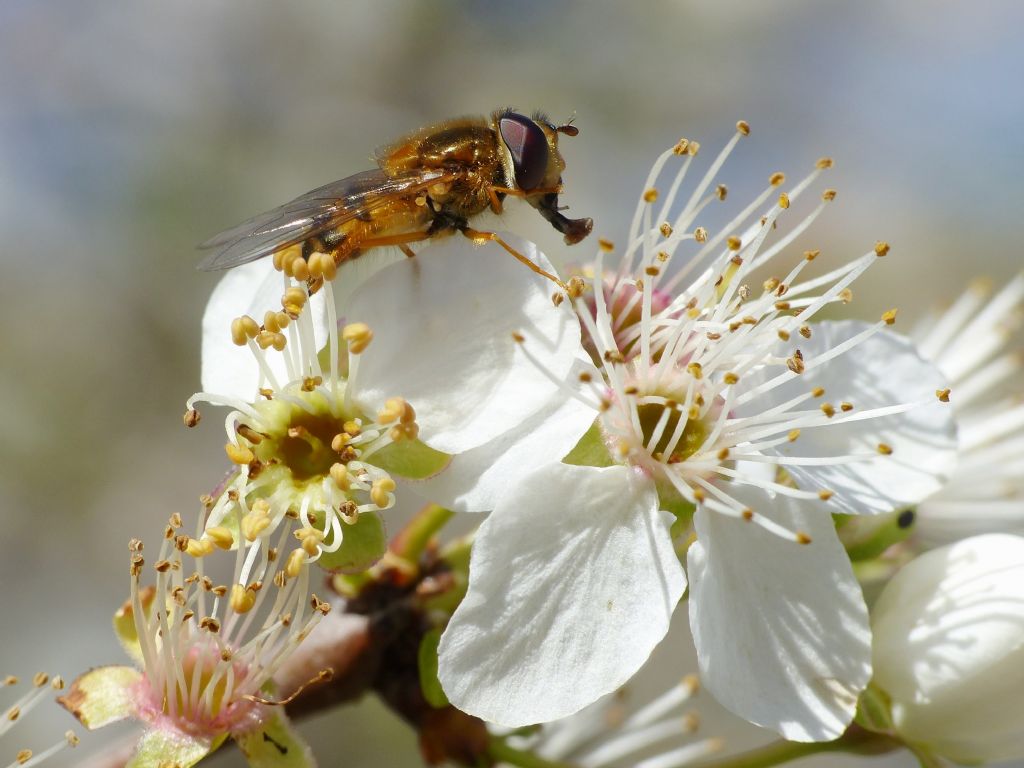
column 949, row 649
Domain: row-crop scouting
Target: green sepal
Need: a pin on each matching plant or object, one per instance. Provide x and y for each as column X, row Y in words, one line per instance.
column 411, row 459
column 363, row 543
column 160, row 748
column 275, row 745
column 867, row 537
column 874, row 710
column 429, row 682
column 124, row 625
column 590, row 451
column 102, row 696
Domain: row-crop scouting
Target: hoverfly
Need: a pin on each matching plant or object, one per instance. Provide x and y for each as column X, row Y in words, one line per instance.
column 428, row 184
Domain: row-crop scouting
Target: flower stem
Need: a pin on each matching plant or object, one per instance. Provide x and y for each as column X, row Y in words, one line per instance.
column 856, row 741
column 410, row 542
column 502, row 752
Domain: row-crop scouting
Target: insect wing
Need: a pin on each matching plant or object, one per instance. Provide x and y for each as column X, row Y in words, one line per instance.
column 321, row 209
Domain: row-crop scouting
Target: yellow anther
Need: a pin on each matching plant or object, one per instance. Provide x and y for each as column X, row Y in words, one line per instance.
column 199, row 547
column 517, row 337
column 380, row 491
column 812, row 255
column 253, row 524
column 340, row 475
column 270, row 321
column 943, row 395
column 846, row 407
column 294, row 300
column 793, row 435
column 825, row 495
column 23, row 756
column 846, row 295
column 221, row 536
column 805, row 331
column 191, row 417
column 238, row 332
column 817, row 392
column 279, row 341
column 696, row 370
column 238, row 454
column 747, row 514
column 889, row 317
column 358, row 336
column 242, row 599
column 650, row 195
column 881, row 248
column 296, row 561
column 823, row 163
column 309, row 540
column 802, row 538
column 783, row 334
column 721, row 191
column 777, row 178
column 700, row 235
column 605, row 245
column 693, row 148
column 396, row 409
column 885, row 449
column 828, row 409
column 734, row 243
column 828, row 195
column 743, row 127
column 783, row 201
column 300, row 270
column 665, row 229
column 730, row 378
column 652, row 271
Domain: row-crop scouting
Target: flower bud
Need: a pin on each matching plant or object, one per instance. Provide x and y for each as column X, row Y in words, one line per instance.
column 949, row 649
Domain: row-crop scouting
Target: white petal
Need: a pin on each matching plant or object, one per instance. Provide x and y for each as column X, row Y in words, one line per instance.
column 781, row 628
column 948, row 649
column 250, row 289
column 573, row 580
column 884, row 370
column 443, row 325
column 475, row 480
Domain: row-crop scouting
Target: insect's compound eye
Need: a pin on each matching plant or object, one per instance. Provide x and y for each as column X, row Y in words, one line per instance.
column 529, row 148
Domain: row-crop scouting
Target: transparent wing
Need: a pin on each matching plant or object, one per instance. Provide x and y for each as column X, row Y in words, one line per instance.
column 321, row 209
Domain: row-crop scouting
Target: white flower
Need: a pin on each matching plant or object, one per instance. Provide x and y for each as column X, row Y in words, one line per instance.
column 712, row 398
column 949, row 649
column 606, row 734
column 985, row 492
column 432, row 374
column 42, row 685
column 206, row 652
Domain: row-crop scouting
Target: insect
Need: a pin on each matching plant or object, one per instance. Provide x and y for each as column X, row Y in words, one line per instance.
column 428, row 184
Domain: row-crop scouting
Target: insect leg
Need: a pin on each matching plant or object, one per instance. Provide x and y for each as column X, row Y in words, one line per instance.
column 478, row 236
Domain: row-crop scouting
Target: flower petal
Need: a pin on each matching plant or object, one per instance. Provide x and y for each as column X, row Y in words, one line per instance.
column 475, row 480
column 573, row 579
column 250, row 289
column 276, row 744
column 781, row 628
column 102, row 696
column 443, row 325
column 884, row 370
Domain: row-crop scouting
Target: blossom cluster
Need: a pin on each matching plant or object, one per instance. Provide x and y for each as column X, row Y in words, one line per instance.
column 680, row 421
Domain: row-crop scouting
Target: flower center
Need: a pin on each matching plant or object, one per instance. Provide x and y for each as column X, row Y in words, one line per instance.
column 303, row 438
column 661, row 423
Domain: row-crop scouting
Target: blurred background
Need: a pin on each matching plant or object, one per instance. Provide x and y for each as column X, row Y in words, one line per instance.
column 129, row 132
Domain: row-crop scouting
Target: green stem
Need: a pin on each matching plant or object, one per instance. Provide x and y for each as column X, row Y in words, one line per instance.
column 410, row 542
column 503, row 753
column 776, row 753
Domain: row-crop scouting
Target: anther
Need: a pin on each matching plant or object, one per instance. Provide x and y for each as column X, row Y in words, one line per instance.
column 605, row 245
column 817, row 392
column 802, row 538
column 238, row 454
column 380, row 491
column 296, row 561
column 730, row 378
column 796, row 362
column 242, row 599
column 881, row 248
column 734, row 243
column 828, row 409
column 650, row 195
column 793, row 435
column 805, row 331
column 747, row 514
column 846, row 295
column 890, row 316
column 681, row 147
column 784, row 201
column 199, row 547
column 358, row 336
column 777, row 178
column 665, row 229
column 783, row 334
column 823, row 163
column 340, row 475
column 700, row 235
column 825, row 495
column 575, row 287
column 517, row 337
column 943, row 395
column 210, row 624
column 846, row 407
column 721, row 191
column 885, row 449
column 191, row 417
column 743, row 127
column 828, row 195
column 221, row 536
column 812, row 255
